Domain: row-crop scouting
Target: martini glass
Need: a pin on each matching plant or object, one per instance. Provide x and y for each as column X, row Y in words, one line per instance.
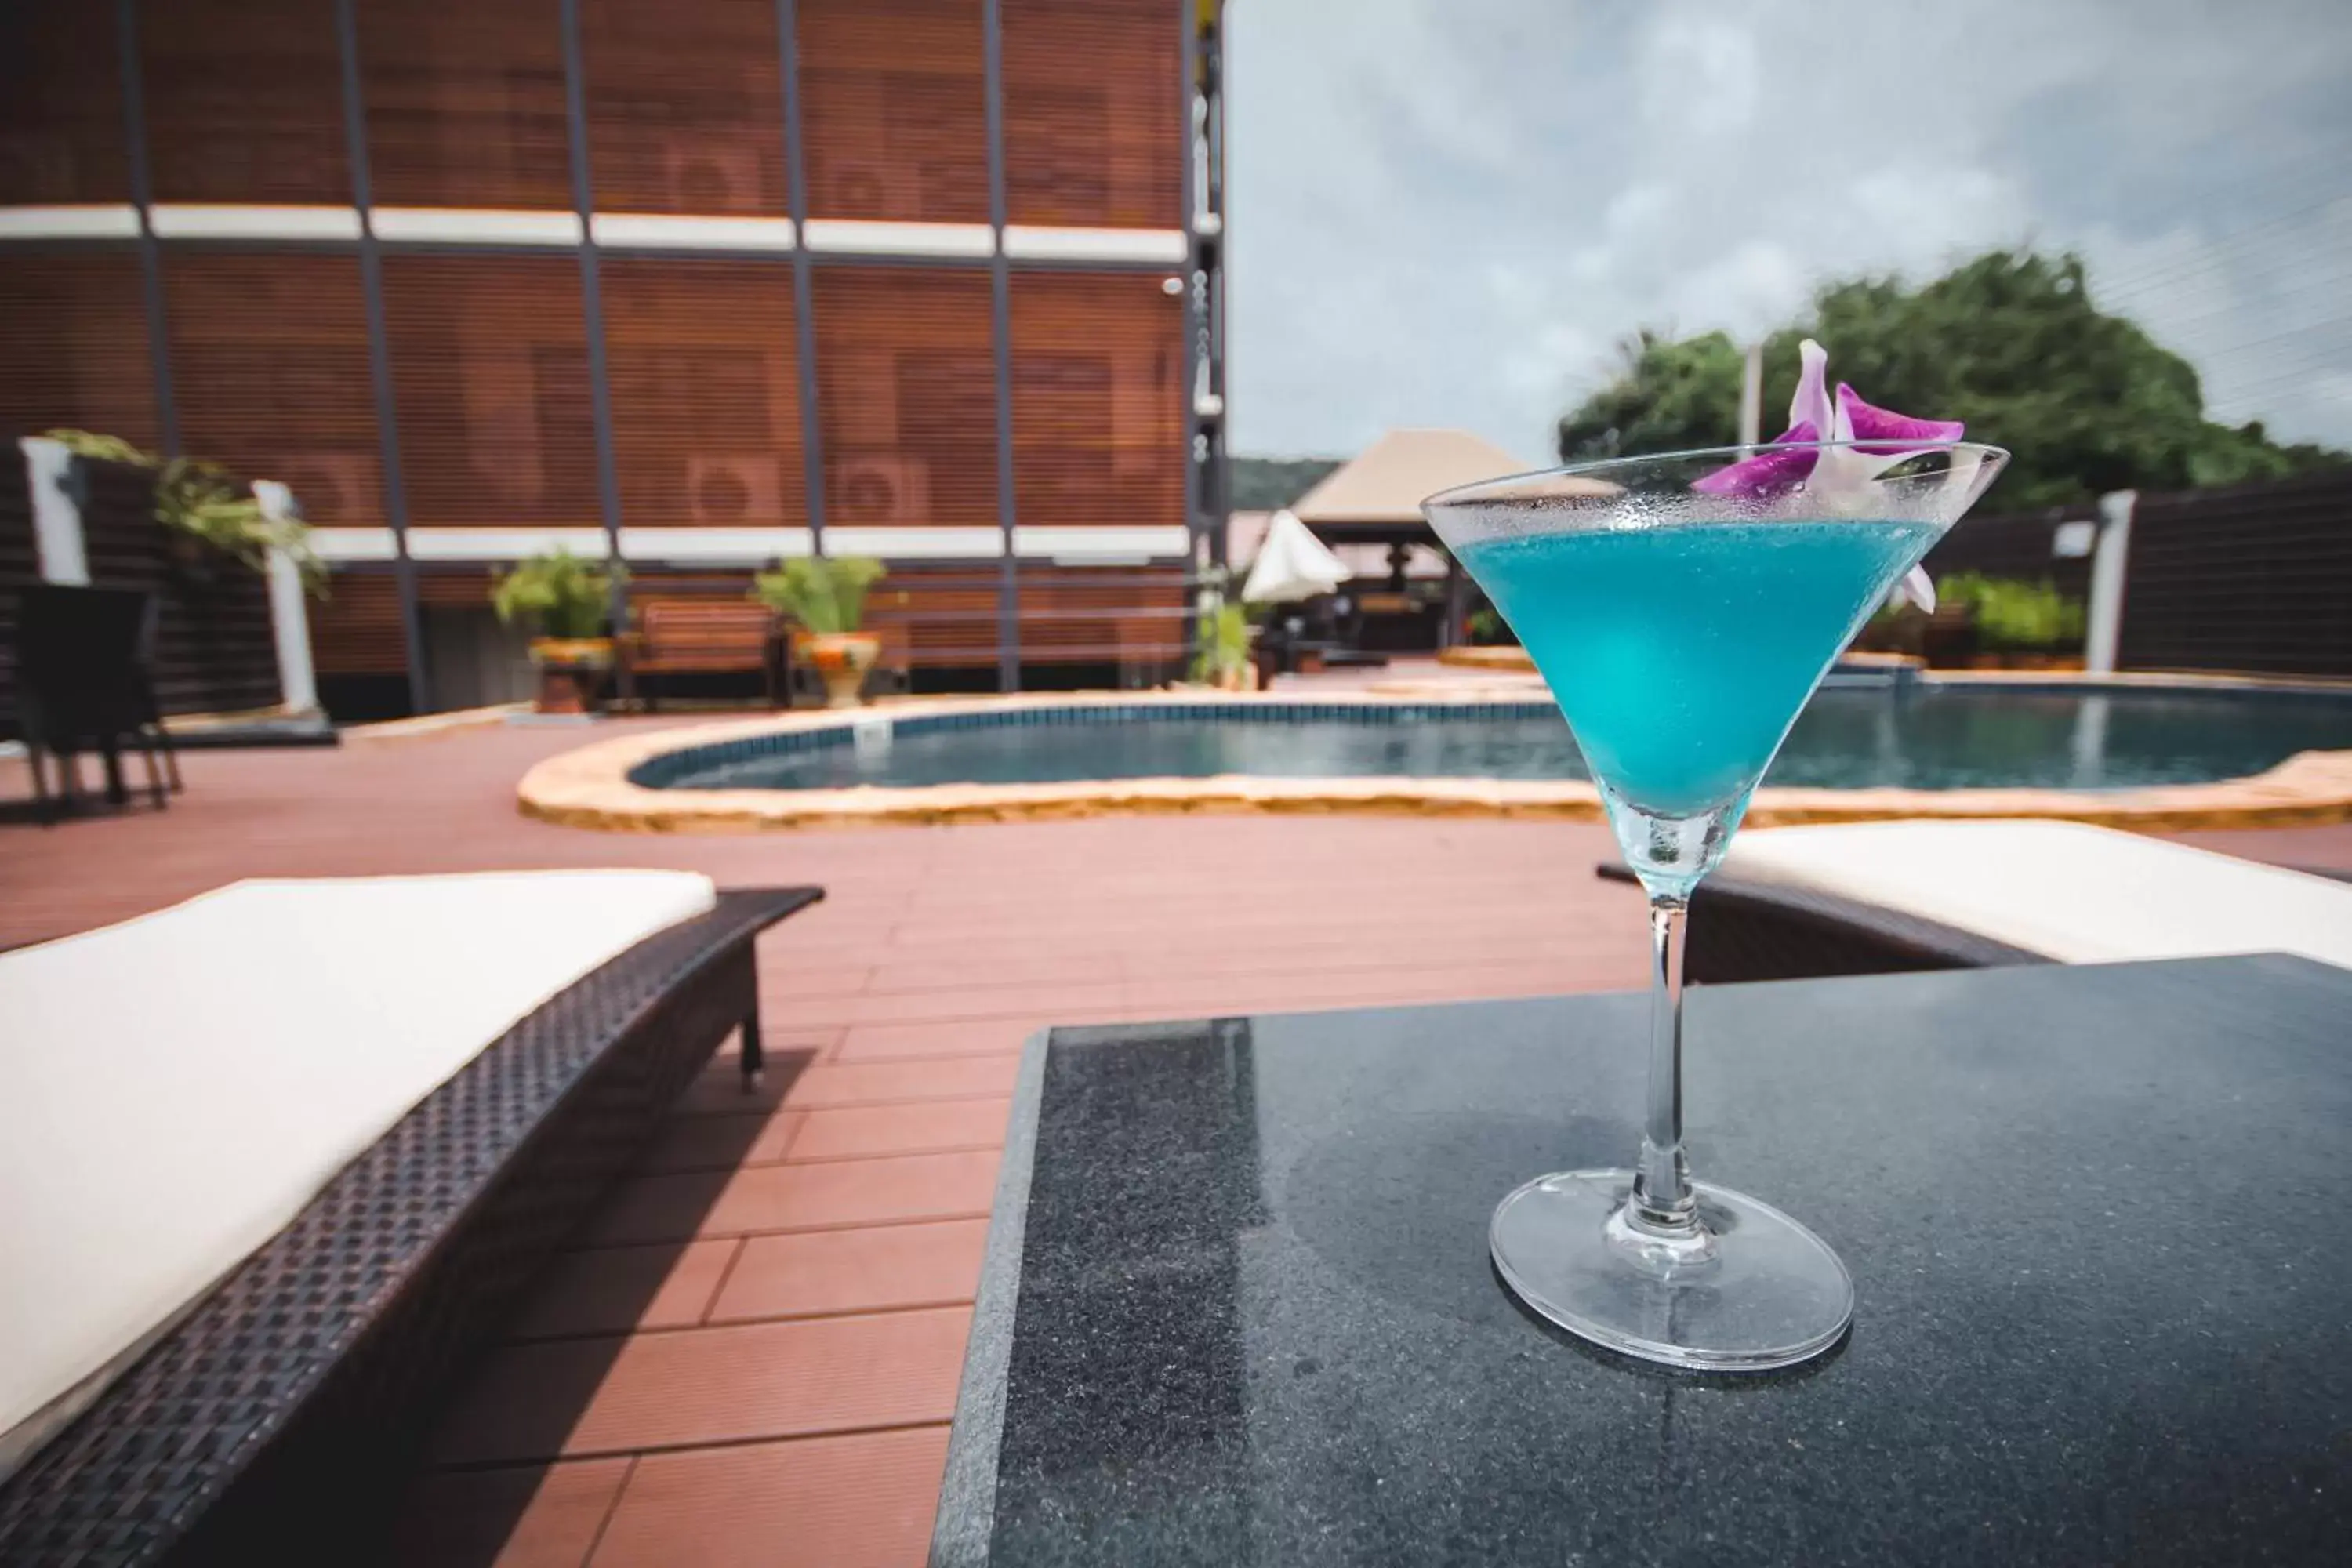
column 1681, row 632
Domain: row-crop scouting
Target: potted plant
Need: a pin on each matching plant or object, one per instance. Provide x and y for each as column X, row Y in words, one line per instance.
column 1484, row 628
column 824, row 597
column 565, row 601
column 207, row 512
column 1222, row 659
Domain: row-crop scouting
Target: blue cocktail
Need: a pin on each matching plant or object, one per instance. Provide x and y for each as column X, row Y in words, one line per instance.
column 1682, row 654
column 1683, row 608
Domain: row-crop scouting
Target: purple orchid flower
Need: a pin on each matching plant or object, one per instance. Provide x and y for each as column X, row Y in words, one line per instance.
column 1882, row 430
column 1881, row 439
column 1768, row 472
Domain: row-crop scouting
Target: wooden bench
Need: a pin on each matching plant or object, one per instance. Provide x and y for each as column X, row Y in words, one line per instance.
column 700, row 637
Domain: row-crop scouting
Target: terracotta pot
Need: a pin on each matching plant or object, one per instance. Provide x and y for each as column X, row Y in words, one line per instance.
column 579, row 653
column 570, row 672
column 841, row 659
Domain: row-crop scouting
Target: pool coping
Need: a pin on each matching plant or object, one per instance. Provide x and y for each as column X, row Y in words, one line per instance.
column 590, row 787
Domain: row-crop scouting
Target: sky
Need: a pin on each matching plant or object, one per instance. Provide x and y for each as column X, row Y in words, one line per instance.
column 1454, row 212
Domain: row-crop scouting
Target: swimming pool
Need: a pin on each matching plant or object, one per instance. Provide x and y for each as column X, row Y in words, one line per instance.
column 1922, row 735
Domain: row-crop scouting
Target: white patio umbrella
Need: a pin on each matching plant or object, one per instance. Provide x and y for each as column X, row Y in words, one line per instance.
column 1292, row 564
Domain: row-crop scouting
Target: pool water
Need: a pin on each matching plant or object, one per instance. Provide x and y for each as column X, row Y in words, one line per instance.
column 1919, row 738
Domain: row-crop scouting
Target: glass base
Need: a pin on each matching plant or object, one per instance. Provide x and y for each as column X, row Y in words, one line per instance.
column 1752, row 1289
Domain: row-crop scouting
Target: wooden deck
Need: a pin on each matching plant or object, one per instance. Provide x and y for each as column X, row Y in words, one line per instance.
column 753, row 1357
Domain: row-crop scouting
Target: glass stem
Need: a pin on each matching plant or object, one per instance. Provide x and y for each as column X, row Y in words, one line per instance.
column 1662, row 1200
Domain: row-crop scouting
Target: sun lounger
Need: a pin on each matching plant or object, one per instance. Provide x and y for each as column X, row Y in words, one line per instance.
column 1869, row 898
column 274, row 1161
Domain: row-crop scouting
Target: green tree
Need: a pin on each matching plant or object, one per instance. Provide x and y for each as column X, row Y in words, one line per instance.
column 2011, row 342
column 1669, row 398
column 1268, row 484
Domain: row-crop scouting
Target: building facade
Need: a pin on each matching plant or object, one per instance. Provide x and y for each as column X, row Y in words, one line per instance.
column 699, row 284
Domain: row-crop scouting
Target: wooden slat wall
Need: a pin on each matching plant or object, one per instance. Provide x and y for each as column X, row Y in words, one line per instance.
column 685, row 106
column 466, row 108
column 61, row 137
column 466, row 102
column 2254, row 578
column 73, row 345
column 244, row 100
column 1078, row 615
column 906, row 394
column 357, row 629
column 1097, row 389
column 489, row 370
column 710, row 587
column 215, row 651
column 1093, row 120
column 120, row 539
column 455, row 586
column 20, row 567
column 706, row 393
column 945, row 615
column 269, row 366
column 894, row 113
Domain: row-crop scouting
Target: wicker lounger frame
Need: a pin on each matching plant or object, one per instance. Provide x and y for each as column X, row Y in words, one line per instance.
column 1753, row 931
column 276, row 1422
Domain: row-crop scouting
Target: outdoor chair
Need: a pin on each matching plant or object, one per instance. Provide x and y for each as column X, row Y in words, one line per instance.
column 84, row 684
column 275, row 1161
column 699, row 637
column 1884, row 897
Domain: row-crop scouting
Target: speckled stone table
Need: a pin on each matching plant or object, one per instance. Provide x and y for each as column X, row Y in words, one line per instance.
column 1237, row 1308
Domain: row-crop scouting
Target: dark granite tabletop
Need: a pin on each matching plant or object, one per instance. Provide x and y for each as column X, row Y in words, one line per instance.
column 1237, row 1308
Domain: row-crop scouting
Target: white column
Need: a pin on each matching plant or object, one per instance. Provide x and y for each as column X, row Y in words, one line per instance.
column 1751, row 398
column 289, row 619
column 2105, row 621
column 57, row 514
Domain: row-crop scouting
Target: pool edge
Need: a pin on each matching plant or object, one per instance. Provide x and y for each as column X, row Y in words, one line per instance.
column 589, row 787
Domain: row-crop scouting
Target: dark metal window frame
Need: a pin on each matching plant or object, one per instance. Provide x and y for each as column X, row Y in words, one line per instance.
column 142, row 197
column 803, row 290
column 591, row 310
column 387, row 411
column 999, row 305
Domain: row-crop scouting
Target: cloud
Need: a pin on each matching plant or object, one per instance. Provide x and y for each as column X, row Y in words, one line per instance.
column 1451, row 211
column 1702, row 75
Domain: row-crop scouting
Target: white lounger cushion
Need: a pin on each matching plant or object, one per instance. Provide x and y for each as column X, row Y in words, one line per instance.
column 175, row 1089
column 2075, row 893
